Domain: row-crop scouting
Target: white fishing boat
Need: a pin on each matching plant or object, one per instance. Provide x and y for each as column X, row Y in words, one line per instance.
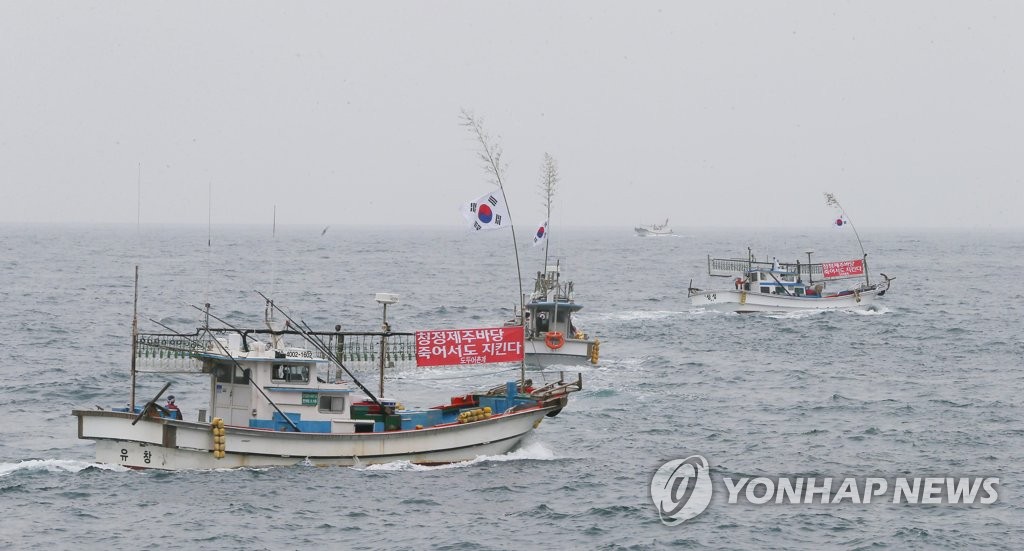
column 550, row 333
column 786, row 287
column 274, row 402
column 654, row 230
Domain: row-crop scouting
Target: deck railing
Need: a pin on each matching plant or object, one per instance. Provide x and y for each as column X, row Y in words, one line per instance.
column 173, row 352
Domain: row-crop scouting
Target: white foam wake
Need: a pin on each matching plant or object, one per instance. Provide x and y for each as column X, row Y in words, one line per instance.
column 535, row 451
column 55, row 466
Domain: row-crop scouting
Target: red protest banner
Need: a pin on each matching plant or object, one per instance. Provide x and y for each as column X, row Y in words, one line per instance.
column 846, row 268
column 469, row 346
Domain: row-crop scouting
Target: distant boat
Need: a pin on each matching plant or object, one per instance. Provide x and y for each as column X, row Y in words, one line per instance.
column 654, row 230
column 787, row 287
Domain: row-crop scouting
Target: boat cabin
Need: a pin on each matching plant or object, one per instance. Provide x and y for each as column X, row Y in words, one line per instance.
column 551, row 307
column 776, row 282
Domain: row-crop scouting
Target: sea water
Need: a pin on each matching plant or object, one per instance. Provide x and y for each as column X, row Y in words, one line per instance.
column 927, row 384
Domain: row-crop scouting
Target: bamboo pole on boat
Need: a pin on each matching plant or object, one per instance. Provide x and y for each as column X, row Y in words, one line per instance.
column 491, row 156
column 832, row 201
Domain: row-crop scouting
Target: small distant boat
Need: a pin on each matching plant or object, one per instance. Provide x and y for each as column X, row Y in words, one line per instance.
column 550, row 333
column 786, row 287
column 654, row 230
column 276, row 405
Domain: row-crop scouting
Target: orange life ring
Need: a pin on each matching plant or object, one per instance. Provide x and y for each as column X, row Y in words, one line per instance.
column 554, row 340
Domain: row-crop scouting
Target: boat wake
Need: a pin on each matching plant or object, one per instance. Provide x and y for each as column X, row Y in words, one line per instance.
column 535, row 451
column 55, row 466
column 637, row 315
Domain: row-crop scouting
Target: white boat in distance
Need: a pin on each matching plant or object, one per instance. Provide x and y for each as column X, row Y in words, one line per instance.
column 783, row 287
column 276, row 405
column 654, row 230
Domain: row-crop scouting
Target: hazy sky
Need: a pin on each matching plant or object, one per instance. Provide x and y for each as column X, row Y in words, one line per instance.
column 707, row 113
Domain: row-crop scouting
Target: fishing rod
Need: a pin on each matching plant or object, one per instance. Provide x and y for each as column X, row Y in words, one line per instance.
column 322, row 348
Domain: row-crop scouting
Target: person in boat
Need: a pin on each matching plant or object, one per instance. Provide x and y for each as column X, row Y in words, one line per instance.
column 172, row 408
column 542, row 322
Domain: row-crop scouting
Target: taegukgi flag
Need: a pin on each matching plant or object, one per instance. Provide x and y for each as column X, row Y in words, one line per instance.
column 541, row 234
column 840, row 221
column 487, row 213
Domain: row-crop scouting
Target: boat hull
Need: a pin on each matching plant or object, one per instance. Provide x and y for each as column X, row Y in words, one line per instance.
column 572, row 352
column 644, row 232
column 174, row 445
column 729, row 300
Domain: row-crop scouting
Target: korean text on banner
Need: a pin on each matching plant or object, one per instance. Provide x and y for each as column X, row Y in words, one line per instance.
column 469, row 346
column 846, row 268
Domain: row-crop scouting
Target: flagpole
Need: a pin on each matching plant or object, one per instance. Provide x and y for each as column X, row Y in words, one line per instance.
column 491, row 155
column 832, row 201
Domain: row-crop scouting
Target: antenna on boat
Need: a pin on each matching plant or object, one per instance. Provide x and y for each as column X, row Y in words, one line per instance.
column 491, row 156
column 384, row 299
column 138, row 200
column 135, row 333
column 832, row 201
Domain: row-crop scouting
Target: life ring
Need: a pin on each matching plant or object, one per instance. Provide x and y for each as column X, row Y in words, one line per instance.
column 554, row 340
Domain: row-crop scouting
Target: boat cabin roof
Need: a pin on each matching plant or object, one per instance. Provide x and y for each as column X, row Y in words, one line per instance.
column 546, row 306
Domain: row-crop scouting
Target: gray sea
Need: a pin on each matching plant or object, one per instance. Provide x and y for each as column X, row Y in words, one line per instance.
column 926, row 385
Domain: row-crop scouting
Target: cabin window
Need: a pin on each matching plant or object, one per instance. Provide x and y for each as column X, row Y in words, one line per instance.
column 766, row 290
column 291, row 373
column 231, row 374
column 799, row 291
column 332, row 404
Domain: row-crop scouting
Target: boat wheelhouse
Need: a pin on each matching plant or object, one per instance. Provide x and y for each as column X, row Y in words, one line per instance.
column 550, row 333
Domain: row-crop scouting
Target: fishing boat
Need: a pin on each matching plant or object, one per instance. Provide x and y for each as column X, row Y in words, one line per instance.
column 551, row 336
column 785, row 287
column 283, row 396
column 654, row 230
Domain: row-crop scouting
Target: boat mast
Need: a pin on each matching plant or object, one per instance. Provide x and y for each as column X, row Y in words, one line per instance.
column 135, row 333
column 830, row 200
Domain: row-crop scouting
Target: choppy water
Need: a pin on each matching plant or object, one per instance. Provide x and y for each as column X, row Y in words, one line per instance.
column 927, row 385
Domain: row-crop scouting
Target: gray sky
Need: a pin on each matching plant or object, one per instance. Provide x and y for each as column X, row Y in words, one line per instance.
column 707, row 113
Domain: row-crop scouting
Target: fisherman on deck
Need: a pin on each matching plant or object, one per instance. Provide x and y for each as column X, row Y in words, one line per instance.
column 172, row 408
